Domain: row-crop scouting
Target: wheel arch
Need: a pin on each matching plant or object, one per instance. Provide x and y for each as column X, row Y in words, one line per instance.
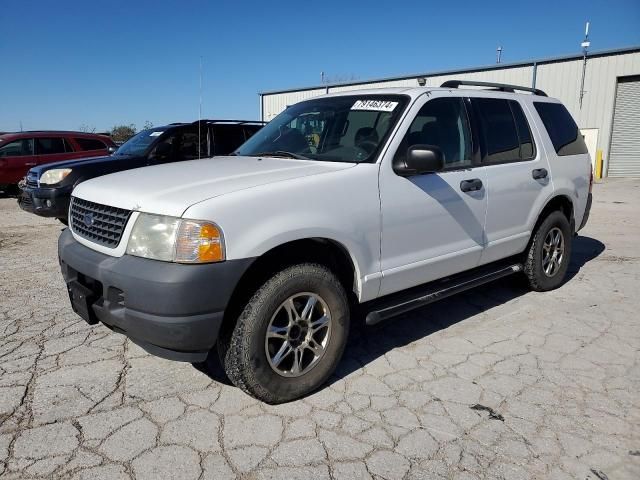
column 325, row 251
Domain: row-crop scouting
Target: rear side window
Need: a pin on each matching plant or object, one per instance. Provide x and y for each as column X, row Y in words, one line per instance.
column 527, row 148
column 227, row 138
column 49, row 146
column 498, row 130
column 90, row 144
column 562, row 129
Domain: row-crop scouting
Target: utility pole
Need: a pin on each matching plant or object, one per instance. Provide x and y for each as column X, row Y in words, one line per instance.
column 585, row 47
column 499, row 56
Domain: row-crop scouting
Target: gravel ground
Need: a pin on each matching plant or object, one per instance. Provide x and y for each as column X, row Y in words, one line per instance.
column 495, row 383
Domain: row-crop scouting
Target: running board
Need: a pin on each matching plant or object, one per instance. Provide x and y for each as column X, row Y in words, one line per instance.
column 436, row 291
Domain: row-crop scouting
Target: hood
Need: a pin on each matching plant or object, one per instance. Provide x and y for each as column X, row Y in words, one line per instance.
column 84, row 162
column 171, row 188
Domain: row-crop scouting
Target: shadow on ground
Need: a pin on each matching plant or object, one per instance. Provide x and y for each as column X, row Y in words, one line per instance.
column 366, row 344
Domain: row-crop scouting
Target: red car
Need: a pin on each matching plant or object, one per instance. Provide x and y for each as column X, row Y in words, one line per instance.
column 23, row 150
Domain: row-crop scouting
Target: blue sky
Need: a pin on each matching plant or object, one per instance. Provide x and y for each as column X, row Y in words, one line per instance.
column 69, row 63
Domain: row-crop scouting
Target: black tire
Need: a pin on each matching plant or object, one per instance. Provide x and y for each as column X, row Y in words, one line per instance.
column 243, row 349
column 539, row 280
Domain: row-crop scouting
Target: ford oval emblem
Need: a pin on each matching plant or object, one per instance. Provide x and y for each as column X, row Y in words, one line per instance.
column 88, row 219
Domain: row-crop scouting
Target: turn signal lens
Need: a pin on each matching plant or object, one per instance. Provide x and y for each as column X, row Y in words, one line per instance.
column 199, row 242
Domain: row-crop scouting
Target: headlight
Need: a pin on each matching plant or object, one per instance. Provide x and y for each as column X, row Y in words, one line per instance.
column 174, row 239
column 55, row 175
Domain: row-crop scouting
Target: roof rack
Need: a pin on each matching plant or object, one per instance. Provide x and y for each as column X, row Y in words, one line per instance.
column 503, row 87
column 230, row 121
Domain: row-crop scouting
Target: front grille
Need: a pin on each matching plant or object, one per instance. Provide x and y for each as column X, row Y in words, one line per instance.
column 98, row 223
column 32, row 179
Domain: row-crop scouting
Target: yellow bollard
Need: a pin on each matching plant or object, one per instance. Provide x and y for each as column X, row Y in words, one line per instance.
column 598, row 164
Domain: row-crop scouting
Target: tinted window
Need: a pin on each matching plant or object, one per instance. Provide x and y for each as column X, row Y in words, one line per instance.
column 563, row 131
column 49, row 146
column 90, row 144
column 189, row 145
column 441, row 122
column 249, row 130
column 226, row 138
column 17, row 148
column 527, row 149
column 498, row 130
column 67, row 145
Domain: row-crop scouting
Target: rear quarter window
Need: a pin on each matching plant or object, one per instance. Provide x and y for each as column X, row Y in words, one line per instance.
column 562, row 129
column 90, row 144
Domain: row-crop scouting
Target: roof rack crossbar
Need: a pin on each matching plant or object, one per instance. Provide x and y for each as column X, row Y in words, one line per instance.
column 503, row 87
column 205, row 120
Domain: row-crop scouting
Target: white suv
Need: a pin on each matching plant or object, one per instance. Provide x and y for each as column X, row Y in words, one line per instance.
column 390, row 198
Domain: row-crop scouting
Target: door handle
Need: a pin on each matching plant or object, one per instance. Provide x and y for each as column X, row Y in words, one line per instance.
column 472, row 185
column 539, row 173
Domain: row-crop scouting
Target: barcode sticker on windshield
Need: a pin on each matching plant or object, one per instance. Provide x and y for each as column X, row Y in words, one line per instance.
column 155, row 134
column 375, row 105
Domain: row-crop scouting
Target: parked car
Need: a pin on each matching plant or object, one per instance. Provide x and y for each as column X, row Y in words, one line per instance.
column 21, row 151
column 398, row 198
column 48, row 188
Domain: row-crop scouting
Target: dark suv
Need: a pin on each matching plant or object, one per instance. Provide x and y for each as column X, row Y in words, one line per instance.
column 22, row 150
column 47, row 190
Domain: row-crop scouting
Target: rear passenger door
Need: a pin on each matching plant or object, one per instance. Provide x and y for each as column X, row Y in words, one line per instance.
column 518, row 175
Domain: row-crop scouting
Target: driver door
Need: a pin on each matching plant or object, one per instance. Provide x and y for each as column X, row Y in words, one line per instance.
column 432, row 226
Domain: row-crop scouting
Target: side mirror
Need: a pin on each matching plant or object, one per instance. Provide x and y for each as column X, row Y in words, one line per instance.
column 420, row 159
column 162, row 150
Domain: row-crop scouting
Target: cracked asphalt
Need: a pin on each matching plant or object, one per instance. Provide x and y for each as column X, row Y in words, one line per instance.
column 499, row 382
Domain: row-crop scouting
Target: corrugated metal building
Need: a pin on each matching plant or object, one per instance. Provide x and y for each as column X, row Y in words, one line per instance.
column 609, row 117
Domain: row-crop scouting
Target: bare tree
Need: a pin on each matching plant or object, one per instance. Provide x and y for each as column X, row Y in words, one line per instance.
column 87, row 128
column 147, row 125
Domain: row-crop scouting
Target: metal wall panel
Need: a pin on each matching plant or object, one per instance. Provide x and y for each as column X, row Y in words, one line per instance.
column 625, row 138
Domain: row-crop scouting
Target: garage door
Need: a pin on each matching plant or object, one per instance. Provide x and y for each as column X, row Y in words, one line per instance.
column 624, row 157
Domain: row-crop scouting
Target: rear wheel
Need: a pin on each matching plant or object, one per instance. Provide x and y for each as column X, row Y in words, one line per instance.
column 547, row 258
column 290, row 336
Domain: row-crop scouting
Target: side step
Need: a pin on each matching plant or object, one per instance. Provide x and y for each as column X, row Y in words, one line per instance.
column 431, row 292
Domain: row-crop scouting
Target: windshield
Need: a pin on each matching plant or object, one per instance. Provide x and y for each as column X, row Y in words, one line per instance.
column 337, row 129
column 138, row 144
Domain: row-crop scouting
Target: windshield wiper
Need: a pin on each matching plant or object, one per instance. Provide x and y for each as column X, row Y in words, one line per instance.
column 281, row 153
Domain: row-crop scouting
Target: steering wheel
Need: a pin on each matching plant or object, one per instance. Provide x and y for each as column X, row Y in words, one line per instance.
column 369, row 146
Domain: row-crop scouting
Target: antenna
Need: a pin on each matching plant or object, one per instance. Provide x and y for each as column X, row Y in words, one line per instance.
column 585, row 49
column 200, row 110
column 321, row 77
column 499, row 52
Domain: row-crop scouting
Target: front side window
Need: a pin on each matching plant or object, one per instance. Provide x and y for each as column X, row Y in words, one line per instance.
column 348, row 128
column 49, row 146
column 443, row 123
column 189, row 149
column 562, row 129
column 17, row 148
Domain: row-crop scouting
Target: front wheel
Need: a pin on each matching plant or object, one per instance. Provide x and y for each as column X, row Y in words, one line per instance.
column 290, row 336
column 547, row 258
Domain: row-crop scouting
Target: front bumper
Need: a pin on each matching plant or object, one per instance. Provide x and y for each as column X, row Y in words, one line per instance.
column 46, row 202
column 171, row 310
